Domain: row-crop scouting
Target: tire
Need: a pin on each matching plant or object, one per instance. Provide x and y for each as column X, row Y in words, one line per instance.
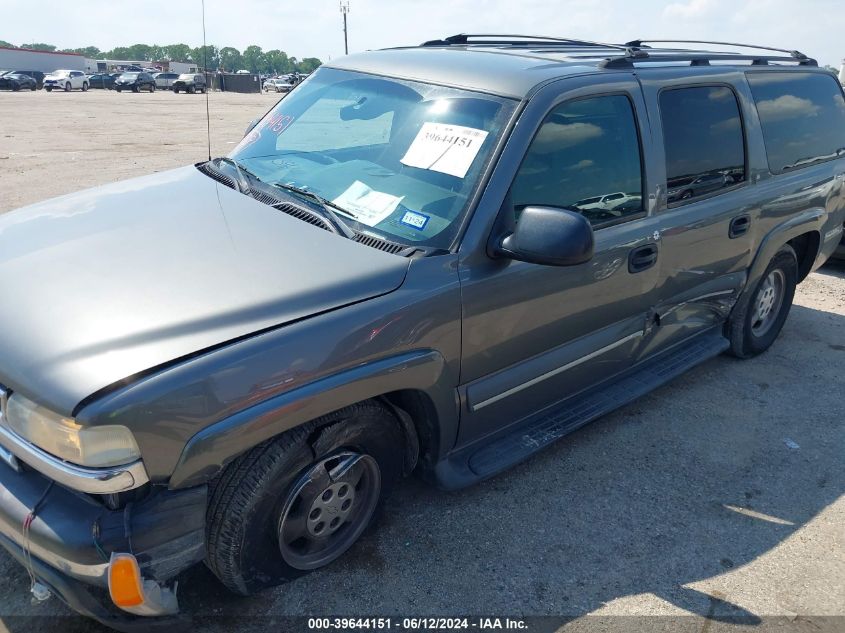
column 34, row 88
column 85, row 86
column 68, row 87
column 49, row 89
column 15, row 88
column 258, row 496
column 176, row 91
column 119, row 89
column 135, row 88
column 190, row 90
column 750, row 334
column 152, row 88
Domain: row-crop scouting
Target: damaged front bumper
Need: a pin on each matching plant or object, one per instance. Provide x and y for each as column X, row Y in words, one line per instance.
column 70, row 540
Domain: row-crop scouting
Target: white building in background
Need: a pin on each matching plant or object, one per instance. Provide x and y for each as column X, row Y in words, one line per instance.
column 43, row 61
column 842, row 73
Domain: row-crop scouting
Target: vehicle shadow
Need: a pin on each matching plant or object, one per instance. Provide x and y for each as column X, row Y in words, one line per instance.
column 699, row 498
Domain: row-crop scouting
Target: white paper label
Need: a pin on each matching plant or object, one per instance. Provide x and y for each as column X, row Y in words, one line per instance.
column 449, row 149
column 369, row 206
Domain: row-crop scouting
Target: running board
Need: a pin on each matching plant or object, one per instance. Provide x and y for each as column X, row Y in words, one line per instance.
column 515, row 445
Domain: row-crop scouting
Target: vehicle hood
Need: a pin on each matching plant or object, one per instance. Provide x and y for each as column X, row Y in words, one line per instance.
column 100, row 285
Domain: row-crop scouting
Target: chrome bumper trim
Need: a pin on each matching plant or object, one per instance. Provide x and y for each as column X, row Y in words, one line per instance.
column 90, row 574
column 91, row 480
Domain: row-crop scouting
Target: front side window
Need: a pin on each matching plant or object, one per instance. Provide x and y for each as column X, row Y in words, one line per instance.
column 802, row 116
column 703, row 139
column 585, row 157
column 399, row 158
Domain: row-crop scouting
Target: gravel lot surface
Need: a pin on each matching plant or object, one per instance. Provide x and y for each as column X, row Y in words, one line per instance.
column 717, row 496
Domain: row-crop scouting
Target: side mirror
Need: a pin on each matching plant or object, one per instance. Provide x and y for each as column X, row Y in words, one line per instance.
column 549, row 236
column 251, row 125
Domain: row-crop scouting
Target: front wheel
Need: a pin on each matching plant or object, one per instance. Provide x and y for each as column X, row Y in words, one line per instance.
column 49, row 89
column 299, row 501
column 758, row 320
column 67, row 87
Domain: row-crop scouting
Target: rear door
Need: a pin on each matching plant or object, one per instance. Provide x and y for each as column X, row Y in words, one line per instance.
column 534, row 335
column 707, row 209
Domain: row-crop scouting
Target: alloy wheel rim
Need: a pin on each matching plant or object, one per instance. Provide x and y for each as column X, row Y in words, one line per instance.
column 327, row 509
column 767, row 302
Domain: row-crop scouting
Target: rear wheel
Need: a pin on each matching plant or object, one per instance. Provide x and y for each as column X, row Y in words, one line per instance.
column 33, row 87
column 152, row 87
column 298, row 502
column 756, row 322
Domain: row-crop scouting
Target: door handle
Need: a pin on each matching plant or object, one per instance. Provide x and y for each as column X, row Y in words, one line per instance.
column 739, row 226
column 642, row 258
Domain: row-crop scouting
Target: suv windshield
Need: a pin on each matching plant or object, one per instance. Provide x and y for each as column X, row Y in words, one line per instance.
column 399, row 158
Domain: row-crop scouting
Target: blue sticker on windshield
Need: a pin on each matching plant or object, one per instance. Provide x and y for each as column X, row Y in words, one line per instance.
column 414, row 220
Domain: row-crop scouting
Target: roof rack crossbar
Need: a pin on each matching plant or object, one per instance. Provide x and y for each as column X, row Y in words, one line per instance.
column 528, row 40
column 701, row 59
column 641, row 42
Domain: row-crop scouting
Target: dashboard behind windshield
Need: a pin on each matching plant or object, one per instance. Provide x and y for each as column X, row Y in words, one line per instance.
column 398, row 158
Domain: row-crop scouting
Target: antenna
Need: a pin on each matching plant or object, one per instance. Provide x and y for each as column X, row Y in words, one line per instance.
column 205, row 70
column 344, row 9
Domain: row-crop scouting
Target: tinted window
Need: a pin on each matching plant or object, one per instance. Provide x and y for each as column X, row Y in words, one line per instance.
column 585, row 151
column 802, row 116
column 702, row 133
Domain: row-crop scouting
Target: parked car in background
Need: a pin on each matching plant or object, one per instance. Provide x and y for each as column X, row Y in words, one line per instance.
column 135, row 81
column 389, row 275
column 190, row 83
column 277, row 85
column 16, row 80
column 35, row 74
column 66, row 80
column 103, row 81
column 165, row 81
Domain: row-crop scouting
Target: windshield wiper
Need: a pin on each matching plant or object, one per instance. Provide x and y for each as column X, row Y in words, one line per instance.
column 243, row 181
column 327, row 209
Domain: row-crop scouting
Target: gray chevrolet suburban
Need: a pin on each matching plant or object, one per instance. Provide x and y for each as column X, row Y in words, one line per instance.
column 439, row 258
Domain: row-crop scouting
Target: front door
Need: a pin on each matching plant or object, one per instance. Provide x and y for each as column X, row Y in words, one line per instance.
column 534, row 335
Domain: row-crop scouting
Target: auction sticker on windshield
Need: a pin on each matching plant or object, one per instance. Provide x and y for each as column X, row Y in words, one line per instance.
column 448, row 149
column 368, row 205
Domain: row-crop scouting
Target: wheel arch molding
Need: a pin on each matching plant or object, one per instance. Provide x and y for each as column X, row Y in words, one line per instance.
column 804, row 226
column 415, row 385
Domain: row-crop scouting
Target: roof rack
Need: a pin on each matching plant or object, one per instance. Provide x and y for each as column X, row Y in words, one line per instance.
column 500, row 39
column 635, row 51
column 642, row 44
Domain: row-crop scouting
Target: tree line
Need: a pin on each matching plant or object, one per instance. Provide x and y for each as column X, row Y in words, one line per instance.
column 230, row 59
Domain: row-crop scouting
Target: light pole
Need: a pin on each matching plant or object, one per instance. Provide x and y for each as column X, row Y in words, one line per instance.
column 344, row 9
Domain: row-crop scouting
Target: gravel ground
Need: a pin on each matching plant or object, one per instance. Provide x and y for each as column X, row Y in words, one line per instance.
column 717, row 496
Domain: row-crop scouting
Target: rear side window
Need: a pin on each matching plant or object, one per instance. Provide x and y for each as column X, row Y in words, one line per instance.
column 802, row 116
column 703, row 137
column 585, row 157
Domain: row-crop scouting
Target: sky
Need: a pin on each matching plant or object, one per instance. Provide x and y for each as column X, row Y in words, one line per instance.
column 313, row 28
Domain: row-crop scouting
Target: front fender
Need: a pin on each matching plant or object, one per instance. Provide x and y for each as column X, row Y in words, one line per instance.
column 207, row 452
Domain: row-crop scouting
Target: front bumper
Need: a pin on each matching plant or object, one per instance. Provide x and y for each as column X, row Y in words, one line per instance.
column 73, row 534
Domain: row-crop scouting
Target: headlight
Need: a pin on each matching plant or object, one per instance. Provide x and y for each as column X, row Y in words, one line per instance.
column 94, row 446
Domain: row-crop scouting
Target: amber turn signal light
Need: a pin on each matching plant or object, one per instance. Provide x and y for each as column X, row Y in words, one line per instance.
column 125, row 585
